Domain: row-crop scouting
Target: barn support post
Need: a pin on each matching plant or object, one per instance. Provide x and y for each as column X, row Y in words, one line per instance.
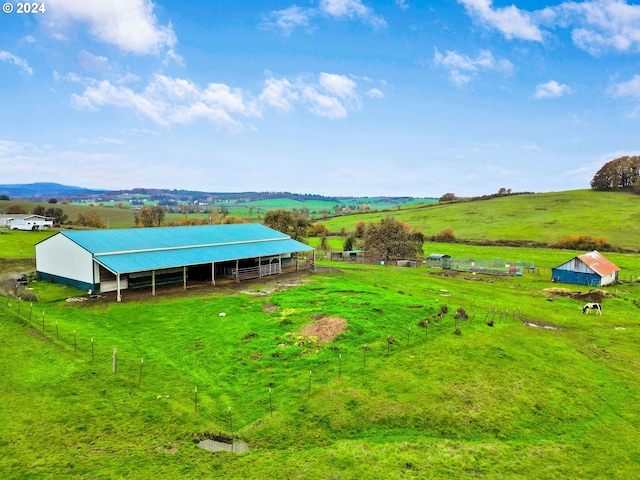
column 259, row 267
column 153, row 283
column 118, row 296
column 237, row 272
column 213, row 273
column 184, row 278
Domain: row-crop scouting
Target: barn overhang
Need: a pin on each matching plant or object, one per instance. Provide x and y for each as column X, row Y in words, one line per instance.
column 122, row 263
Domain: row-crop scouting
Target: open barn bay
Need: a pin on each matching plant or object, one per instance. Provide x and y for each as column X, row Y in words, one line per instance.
column 354, row 374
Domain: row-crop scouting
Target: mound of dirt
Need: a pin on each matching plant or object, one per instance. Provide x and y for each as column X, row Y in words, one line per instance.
column 325, row 328
column 269, row 308
column 590, row 296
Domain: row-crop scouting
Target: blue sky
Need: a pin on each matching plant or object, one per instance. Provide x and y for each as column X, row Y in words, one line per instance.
column 333, row 97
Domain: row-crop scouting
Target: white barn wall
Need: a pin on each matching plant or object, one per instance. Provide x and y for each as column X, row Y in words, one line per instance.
column 61, row 257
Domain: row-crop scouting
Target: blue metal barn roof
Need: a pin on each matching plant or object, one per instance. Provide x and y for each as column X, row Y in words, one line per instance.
column 160, row 259
column 143, row 249
column 140, row 239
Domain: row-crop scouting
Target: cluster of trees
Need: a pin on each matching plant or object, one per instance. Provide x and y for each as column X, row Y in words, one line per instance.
column 149, row 216
column 620, row 174
column 91, row 220
column 389, row 239
column 292, row 223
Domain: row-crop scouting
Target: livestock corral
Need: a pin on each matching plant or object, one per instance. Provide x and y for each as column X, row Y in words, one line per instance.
column 379, row 371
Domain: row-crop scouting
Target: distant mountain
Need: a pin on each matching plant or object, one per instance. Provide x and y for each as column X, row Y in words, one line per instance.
column 42, row 190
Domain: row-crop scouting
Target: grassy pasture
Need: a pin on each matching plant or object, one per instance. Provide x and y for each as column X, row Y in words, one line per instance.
column 508, row 401
column 113, row 217
column 544, row 217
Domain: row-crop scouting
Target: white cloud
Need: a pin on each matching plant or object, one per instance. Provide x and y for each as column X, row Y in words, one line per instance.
column 353, row 9
column 510, row 21
column 279, row 94
column 331, row 96
column 166, row 101
column 630, row 88
column 462, row 67
column 17, row 61
column 375, row 93
column 290, row 18
column 338, row 85
column 323, row 105
column 598, row 25
column 402, row 4
column 72, row 77
column 551, row 89
column 128, row 24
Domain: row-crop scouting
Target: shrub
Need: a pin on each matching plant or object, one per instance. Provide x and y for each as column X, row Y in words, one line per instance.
column 583, row 242
column 448, row 197
column 445, row 235
column 461, row 314
column 318, row 229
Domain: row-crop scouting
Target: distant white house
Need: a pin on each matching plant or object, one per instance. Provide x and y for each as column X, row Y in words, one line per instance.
column 25, row 222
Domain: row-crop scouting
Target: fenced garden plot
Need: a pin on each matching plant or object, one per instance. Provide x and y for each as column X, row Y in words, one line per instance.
column 385, row 395
column 495, row 266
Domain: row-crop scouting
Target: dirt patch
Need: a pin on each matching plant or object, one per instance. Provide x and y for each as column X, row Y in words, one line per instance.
column 326, row 328
column 269, row 308
column 216, row 446
column 539, row 324
column 591, row 296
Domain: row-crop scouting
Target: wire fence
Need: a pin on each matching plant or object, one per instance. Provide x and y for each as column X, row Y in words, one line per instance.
column 351, row 366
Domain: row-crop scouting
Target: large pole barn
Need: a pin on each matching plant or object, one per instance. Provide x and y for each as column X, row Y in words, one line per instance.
column 103, row 261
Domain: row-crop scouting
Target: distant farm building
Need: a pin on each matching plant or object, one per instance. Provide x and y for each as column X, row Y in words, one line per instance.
column 115, row 260
column 439, row 260
column 347, row 256
column 591, row 269
column 25, row 222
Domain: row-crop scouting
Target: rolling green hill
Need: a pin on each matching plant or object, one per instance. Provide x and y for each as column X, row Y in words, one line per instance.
column 541, row 217
column 527, row 388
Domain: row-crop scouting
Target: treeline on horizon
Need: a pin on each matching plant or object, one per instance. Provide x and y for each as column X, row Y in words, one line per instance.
column 38, row 191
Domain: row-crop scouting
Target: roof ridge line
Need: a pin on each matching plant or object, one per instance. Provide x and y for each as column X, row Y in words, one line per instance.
column 182, row 247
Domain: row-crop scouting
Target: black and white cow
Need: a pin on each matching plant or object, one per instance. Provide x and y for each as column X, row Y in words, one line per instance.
column 592, row 306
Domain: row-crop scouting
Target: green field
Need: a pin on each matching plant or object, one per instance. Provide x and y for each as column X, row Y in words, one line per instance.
column 546, row 392
column 536, row 217
column 112, row 217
